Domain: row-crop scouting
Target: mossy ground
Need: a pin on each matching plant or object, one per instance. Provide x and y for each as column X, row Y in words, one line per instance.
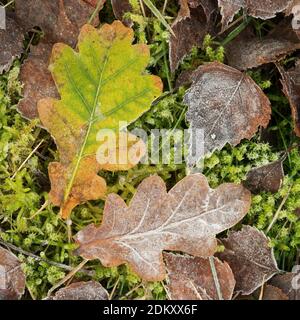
column 28, row 224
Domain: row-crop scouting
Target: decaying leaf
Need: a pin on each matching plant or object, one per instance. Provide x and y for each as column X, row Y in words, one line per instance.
column 37, row 80
column 191, row 278
column 194, row 21
column 12, row 278
column 185, row 219
column 60, row 20
column 288, row 283
column 11, row 43
column 247, row 51
column 90, row 290
column 291, row 88
column 273, row 293
column 227, row 104
column 250, row 258
column 266, row 178
column 120, row 7
column 264, row 9
column 100, row 86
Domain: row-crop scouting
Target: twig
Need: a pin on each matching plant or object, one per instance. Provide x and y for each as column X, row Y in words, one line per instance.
column 142, row 8
column 279, row 210
column 164, row 7
column 45, row 205
column 25, row 161
column 215, row 277
column 9, row 3
column 67, row 277
column 114, row 289
column 38, row 258
column 262, row 290
column 99, row 4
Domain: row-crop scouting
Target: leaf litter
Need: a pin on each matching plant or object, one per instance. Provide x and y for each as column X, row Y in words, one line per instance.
column 224, row 101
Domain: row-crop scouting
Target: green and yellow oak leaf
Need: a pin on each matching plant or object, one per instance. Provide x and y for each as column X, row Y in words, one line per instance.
column 101, row 84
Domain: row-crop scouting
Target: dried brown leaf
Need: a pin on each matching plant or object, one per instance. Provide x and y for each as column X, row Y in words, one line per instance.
column 274, row 293
column 11, row 42
column 227, row 104
column 90, row 290
column 285, row 283
column 247, row 51
column 12, row 278
column 266, row 178
column 120, row 7
column 264, row 9
column 191, row 278
column 193, row 22
column 37, row 80
column 61, row 21
column 291, row 88
column 185, row 219
column 250, row 258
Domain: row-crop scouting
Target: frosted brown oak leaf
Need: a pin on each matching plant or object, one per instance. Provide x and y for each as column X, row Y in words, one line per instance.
column 263, row 9
column 194, row 21
column 60, row 21
column 227, row 104
column 250, row 257
column 191, row 278
column 185, row 219
column 291, row 88
column 12, row 278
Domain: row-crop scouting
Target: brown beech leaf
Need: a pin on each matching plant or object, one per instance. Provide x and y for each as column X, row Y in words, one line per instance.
column 250, row 258
column 285, row 283
column 291, row 88
column 12, row 278
column 191, row 278
column 247, row 51
column 11, row 43
column 60, row 20
column 194, row 21
column 274, row 293
column 90, row 290
column 266, row 178
column 264, row 9
column 185, row 219
column 227, row 104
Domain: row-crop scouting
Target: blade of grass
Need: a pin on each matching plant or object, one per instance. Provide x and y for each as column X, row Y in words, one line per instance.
column 233, row 34
column 158, row 15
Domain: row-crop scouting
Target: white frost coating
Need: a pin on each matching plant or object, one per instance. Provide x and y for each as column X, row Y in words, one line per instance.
column 263, row 9
column 226, row 104
column 185, row 219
